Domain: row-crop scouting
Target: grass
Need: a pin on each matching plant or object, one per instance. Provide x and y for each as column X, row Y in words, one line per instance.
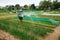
column 26, row 30
column 54, row 12
column 5, row 25
column 57, row 18
column 23, row 30
column 46, row 24
column 6, row 13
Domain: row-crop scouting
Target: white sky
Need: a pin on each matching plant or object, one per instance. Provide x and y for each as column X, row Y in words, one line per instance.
column 21, row 2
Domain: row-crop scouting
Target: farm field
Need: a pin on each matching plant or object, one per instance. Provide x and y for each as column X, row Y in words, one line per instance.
column 28, row 29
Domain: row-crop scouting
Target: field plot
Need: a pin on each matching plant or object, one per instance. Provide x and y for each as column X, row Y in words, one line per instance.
column 26, row 30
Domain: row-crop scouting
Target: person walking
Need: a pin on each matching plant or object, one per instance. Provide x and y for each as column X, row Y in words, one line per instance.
column 20, row 15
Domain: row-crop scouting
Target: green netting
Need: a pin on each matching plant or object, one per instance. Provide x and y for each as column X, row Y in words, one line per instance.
column 45, row 20
column 41, row 19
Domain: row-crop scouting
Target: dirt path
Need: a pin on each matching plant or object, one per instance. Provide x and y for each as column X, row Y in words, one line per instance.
column 6, row 36
column 52, row 36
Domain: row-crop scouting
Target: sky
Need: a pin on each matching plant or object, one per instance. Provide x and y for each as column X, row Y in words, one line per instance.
column 21, row 2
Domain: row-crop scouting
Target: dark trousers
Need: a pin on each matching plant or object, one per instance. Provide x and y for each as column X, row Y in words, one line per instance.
column 20, row 18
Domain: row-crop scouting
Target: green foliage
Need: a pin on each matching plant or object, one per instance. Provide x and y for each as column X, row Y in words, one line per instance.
column 48, row 5
column 10, row 8
column 45, row 5
column 23, row 35
column 13, row 28
column 14, row 31
column 17, row 7
column 32, row 7
column 25, row 7
column 25, row 30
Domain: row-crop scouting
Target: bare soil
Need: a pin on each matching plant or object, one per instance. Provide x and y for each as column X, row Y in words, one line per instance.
column 6, row 36
column 52, row 36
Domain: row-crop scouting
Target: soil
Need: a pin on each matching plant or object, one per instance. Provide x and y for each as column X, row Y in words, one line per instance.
column 52, row 36
column 6, row 36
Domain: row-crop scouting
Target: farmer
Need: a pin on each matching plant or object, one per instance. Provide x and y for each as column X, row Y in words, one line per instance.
column 20, row 15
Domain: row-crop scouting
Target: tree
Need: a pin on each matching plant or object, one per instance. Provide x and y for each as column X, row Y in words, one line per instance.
column 56, row 5
column 44, row 5
column 11, row 7
column 25, row 7
column 17, row 7
column 33, row 7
